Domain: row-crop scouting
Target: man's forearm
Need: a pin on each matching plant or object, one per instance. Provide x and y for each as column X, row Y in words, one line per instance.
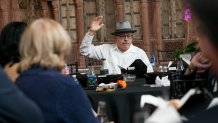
column 86, row 43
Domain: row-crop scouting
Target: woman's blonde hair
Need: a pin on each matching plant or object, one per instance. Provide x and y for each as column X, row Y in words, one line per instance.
column 44, row 43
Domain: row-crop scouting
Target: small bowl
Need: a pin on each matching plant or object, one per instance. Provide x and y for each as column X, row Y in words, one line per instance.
column 129, row 78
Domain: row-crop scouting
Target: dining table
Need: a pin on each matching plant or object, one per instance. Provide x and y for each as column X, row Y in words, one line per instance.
column 122, row 104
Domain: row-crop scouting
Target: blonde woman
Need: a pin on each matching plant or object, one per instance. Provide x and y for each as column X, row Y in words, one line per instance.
column 42, row 48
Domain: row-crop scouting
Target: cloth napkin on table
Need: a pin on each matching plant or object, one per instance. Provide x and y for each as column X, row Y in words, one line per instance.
column 164, row 81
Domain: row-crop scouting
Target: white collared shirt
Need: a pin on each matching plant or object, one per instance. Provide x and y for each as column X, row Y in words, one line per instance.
column 114, row 57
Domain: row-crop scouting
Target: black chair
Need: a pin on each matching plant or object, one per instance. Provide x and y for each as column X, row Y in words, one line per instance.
column 92, row 61
column 73, row 68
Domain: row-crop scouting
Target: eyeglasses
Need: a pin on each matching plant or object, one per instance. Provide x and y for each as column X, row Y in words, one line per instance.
column 129, row 36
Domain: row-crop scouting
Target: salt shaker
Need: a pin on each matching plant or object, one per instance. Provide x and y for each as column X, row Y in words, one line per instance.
column 160, row 68
column 165, row 69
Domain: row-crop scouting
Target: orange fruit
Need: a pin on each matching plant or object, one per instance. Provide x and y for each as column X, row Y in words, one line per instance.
column 119, row 81
column 122, row 84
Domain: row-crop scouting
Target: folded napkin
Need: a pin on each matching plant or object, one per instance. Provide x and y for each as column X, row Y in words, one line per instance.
column 106, row 87
column 164, row 81
column 156, row 101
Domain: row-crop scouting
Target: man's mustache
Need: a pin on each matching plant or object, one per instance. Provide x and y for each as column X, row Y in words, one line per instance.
column 125, row 43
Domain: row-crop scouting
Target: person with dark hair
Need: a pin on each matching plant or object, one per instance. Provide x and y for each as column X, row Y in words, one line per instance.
column 9, row 43
column 15, row 107
column 207, row 13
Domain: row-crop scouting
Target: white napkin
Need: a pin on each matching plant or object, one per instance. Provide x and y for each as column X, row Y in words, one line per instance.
column 166, row 114
column 156, row 101
column 213, row 103
column 164, row 81
column 110, row 85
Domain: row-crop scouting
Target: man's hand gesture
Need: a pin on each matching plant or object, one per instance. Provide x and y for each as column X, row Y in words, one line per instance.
column 96, row 24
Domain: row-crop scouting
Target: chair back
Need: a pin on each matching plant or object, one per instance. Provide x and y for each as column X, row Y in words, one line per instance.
column 92, row 61
column 73, row 68
column 164, row 56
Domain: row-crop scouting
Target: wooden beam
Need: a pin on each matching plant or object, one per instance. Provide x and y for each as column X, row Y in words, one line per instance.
column 80, row 29
column 145, row 25
column 79, row 20
column 158, row 25
column 119, row 9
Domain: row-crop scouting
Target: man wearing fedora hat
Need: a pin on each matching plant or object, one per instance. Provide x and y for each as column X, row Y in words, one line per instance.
column 120, row 54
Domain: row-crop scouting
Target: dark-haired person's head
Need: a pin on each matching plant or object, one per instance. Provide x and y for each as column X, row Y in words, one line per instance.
column 207, row 13
column 9, row 43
